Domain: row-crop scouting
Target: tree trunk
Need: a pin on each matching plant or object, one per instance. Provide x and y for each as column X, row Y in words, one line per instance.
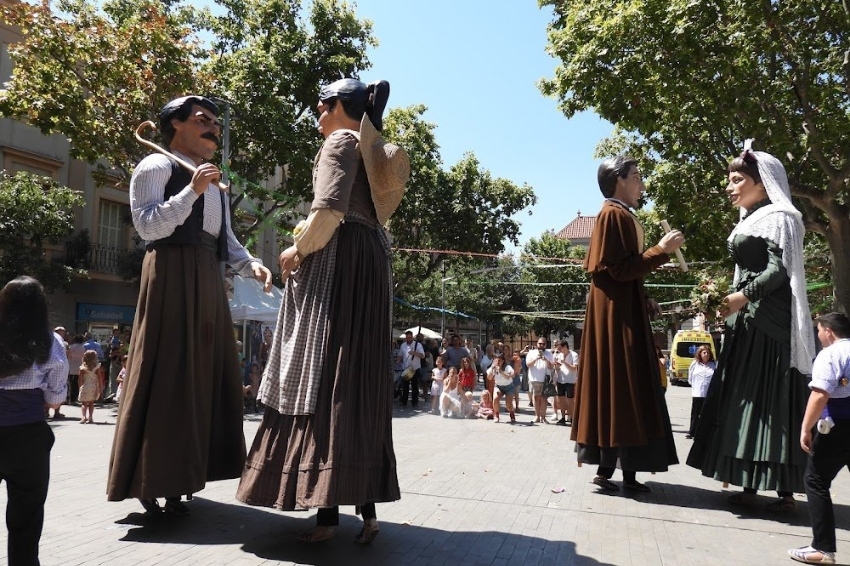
column 838, row 237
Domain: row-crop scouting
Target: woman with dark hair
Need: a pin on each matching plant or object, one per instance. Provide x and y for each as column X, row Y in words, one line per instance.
column 502, row 375
column 700, row 373
column 33, row 375
column 326, row 435
column 748, row 429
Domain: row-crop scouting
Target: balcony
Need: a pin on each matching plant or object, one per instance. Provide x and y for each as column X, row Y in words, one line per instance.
column 103, row 259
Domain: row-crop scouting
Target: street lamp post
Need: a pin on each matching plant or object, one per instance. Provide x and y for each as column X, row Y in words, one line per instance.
column 443, row 305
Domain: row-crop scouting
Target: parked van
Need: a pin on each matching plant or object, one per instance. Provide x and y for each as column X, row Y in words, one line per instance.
column 682, row 351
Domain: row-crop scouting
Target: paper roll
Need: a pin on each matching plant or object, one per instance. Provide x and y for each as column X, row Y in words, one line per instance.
column 679, row 257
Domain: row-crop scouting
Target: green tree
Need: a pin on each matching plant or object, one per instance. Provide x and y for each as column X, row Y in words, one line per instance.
column 268, row 60
column 23, row 234
column 687, row 81
column 555, row 284
column 94, row 76
column 463, row 209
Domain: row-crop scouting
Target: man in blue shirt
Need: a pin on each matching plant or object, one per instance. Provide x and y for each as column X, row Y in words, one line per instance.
column 92, row 344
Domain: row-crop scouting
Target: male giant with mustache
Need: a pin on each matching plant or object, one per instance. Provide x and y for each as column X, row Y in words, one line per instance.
column 180, row 420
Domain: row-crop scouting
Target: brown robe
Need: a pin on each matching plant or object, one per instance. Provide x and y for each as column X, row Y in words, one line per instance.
column 180, row 418
column 620, row 414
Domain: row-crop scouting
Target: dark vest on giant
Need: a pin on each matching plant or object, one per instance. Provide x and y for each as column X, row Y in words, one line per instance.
column 189, row 233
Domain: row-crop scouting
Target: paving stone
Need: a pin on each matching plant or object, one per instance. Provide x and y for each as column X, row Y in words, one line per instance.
column 474, row 492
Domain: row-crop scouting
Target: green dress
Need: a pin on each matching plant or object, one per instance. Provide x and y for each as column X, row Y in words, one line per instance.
column 748, row 433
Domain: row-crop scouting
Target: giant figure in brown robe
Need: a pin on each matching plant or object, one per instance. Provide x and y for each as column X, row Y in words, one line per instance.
column 621, row 417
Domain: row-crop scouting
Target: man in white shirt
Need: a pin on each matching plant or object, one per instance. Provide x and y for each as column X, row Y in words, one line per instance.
column 539, row 362
column 566, row 373
column 410, row 355
column 828, row 411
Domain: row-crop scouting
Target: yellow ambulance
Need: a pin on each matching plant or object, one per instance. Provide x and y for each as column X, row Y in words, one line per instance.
column 685, row 344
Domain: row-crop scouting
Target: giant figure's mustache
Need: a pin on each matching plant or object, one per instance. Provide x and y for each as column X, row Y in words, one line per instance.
column 211, row 137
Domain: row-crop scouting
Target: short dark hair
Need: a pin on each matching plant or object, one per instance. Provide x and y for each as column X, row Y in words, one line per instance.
column 837, row 322
column 180, row 108
column 746, row 163
column 25, row 335
column 610, row 170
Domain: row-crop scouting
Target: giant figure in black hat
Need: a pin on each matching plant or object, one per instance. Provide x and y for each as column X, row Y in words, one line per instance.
column 180, row 419
column 326, row 436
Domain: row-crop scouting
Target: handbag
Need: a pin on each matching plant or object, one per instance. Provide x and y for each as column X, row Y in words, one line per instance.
column 407, row 374
column 549, row 389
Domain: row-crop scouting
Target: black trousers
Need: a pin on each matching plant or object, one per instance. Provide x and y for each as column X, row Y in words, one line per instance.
column 410, row 387
column 831, row 452
column 73, row 388
column 607, row 473
column 25, row 467
column 329, row 516
column 696, row 409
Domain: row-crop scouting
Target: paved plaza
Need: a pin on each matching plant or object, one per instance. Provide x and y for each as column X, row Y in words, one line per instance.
column 473, row 492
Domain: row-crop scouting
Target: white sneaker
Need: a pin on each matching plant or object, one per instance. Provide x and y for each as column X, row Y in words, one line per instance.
column 804, row 555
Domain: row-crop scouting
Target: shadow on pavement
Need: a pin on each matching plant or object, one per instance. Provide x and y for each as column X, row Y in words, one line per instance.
column 271, row 535
column 699, row 498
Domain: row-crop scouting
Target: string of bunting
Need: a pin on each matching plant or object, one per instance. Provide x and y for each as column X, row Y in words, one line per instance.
column 567, row 261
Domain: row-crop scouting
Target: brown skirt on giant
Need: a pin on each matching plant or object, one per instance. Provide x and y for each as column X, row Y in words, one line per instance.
column 343, row 453
column 180, row 418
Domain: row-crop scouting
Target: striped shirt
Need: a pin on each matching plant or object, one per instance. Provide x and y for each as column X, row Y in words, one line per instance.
column 51, row 376
column 155, row 218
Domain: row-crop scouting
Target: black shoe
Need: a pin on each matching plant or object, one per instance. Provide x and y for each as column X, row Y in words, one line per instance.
column 151, row 505
column 562, row 422
column 173, row 506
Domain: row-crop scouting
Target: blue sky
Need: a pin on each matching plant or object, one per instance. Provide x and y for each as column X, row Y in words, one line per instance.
column 475, row 65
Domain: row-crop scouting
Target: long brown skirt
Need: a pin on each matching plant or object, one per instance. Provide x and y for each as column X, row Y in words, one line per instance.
column 343, row 453
column 180, row 419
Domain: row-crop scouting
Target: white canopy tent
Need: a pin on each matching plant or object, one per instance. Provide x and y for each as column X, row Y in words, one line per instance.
column 425, row 332
column 249, row 302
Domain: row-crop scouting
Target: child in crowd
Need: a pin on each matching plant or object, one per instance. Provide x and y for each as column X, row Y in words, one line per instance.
column 120, row 379
column 485, row 407
column 438, row 378
column 455, row 402
column 90, row 386
column 33, row 374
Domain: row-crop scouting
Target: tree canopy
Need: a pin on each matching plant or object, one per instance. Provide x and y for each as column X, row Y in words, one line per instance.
column 265, row 60
column 686, row 82
column 93, row 72
column 24, row 235
column 460, row 209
